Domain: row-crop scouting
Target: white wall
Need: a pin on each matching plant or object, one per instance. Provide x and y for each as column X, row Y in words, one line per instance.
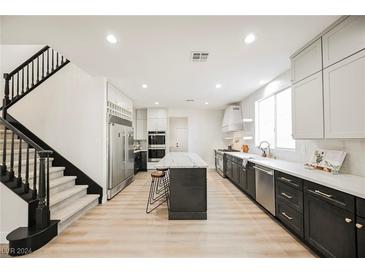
column 12, row 56
column 204, row 130
column 67, row 111
column 355, row 148
column 13, row 212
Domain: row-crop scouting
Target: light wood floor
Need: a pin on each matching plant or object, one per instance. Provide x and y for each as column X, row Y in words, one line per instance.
column 236, row 227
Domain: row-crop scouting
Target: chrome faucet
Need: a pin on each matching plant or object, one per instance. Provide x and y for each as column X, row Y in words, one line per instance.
column 264, row 154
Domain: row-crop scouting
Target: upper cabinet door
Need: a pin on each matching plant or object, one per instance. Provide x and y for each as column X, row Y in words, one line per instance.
column 307, row 108
column 307, row 62
column 344, row 98
column 343, row 40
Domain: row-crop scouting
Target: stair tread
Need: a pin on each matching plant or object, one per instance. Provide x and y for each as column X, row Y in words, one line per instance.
column 72, row 209
column 61, row 180
column 62, row 195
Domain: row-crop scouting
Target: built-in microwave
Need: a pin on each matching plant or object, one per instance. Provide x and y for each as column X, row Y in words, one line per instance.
column 156, row 138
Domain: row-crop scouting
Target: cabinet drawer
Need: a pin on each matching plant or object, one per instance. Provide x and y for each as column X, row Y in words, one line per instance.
column 345, row 39
column 335, row 197
column 360, row 207
column 237, row 160
column 289, row 195
column 289, row 180
column 290, row 217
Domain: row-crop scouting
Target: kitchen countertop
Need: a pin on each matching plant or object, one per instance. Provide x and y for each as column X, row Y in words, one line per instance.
column 181, row 160
column 348, row 183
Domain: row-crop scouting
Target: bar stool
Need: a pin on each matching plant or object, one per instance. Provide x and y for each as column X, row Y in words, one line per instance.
column 166, row 181
column 158, row 178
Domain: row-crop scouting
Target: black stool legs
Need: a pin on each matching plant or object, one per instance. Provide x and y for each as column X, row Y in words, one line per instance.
column 158, row 190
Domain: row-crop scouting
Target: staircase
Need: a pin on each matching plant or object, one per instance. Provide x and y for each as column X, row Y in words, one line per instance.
column 29, row 167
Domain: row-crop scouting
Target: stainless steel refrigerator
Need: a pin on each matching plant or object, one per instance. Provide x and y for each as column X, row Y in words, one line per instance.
column 120, row 154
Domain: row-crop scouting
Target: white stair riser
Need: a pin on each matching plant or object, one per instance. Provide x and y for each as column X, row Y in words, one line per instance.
column 62, row 187
column 73, row 218
column 67, row 201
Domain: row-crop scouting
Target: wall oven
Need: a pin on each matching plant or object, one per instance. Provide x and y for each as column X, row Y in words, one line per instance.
column 156, row 145
column 156, row 138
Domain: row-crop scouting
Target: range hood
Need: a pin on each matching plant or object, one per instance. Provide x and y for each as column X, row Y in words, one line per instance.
column 232, row 120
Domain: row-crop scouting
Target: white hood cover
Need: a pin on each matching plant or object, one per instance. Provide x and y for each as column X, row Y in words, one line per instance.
column 232, row 120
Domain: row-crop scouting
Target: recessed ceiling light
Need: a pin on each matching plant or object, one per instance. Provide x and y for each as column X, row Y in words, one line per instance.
column 206, row 103
column 144, row 86
column 250, row 38
column 218, row 85
column 156, row 103
column 111, row 39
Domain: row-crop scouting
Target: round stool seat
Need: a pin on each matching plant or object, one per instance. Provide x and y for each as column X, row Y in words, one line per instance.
column 157, row 174
column 162, row 169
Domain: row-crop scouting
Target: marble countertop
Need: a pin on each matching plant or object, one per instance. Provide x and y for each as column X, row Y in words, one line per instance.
column 348, row 183
column 181, row 160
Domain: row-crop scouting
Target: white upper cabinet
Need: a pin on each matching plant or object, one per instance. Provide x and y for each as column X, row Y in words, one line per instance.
column 307, row 107
column 307, row 62
column 159, row 124
column 345, row 39
column 156, row 113
column 141, row 114
column 141, row 129
column 344, row 98
column 157, row 119
column 141, row 124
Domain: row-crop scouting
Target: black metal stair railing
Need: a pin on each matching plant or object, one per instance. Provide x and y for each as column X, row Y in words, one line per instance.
column 31, row 74
column 14, row 178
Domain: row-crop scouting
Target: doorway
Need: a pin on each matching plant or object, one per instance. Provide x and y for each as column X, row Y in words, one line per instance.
column 178, row 140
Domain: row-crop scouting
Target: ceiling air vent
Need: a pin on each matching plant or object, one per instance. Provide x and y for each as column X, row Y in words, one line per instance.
column 199, row 56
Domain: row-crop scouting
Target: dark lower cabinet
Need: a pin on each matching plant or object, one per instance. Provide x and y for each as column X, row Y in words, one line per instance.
column 140, row 161
column 360, row 230
column 251, row 184
column 328, row 228
column 243, row 179
column 229, row 168
column 236, row 173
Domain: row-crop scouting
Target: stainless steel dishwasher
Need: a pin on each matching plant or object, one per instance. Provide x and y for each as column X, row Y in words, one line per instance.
column 265, row 187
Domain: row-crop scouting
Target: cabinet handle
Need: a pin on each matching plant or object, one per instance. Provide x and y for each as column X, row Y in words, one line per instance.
column 323, row 194
column 286, row 195
column 288, row 181
column 348, row 220
column 286, row 216
column 359, row 226
column 285, row 179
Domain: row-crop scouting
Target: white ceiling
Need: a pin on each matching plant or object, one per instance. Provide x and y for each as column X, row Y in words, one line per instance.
column 156, row 50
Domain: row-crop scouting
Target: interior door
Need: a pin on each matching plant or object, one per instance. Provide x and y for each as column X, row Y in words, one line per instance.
column 178, row 140
column 117, row 154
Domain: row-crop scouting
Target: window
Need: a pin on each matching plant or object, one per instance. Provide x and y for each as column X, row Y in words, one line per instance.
column 273, row 120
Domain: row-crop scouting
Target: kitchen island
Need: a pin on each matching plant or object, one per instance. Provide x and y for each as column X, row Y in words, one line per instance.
column 188, row 185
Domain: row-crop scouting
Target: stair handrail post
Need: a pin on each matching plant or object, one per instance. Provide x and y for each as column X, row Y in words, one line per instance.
column 6, row 99
column 42, row 211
